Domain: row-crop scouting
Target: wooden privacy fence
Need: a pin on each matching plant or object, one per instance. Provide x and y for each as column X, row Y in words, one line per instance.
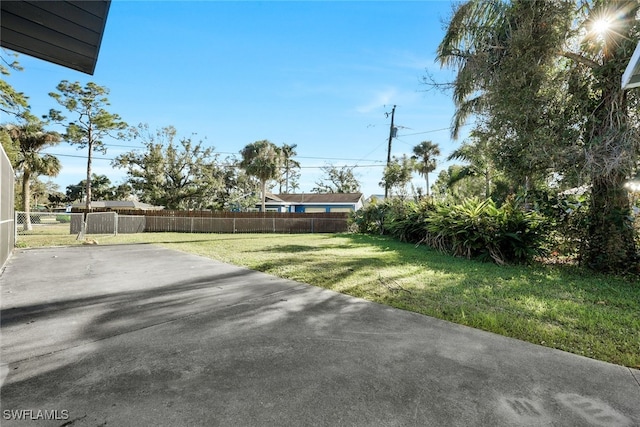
column 127, row 221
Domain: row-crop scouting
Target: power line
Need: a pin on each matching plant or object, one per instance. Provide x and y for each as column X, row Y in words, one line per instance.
column 230, row 165
column 80, row 157
column 404, row 142
column 433, row 130
column 298, row 157
column 333, row 158
column 346, row 166
column 373, row 151
column 427, row 131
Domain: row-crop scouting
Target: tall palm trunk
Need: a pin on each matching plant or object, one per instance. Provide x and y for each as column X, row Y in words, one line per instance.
column 426, row 177
column 263, row 191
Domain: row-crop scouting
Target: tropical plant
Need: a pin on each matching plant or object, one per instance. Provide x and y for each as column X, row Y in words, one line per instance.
column 32, row 138
column 425, row 155
column 262, row 159
column 479, row 163
column 479, row 229
column 472, row 229
column 290, row 169
column 405, row 221
column 555, row 105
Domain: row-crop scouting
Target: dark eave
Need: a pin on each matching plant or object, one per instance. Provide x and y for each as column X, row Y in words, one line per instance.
column 631, row 77
column 67, row 33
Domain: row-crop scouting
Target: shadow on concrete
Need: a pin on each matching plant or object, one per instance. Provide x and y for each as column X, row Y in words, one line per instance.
column 182, row 340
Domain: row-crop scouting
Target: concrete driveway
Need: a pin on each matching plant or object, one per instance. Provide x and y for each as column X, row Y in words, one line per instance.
column 138, row 335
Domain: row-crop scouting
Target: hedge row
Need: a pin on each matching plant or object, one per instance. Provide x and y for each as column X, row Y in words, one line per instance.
column 473, row 229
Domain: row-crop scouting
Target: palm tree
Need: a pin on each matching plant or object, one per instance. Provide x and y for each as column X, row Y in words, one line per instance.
column 425, row 154
column 288, row 166
column 475, row 27
column 263, row 160
column 479, row 163
column 555, row 103
column 32, row 139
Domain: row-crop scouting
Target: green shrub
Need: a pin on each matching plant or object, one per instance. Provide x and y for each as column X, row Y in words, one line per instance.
column 471, row 229
column 407, row 221
column 570, row 216
column 403, row 220
column 369, row 219
column 479, row 229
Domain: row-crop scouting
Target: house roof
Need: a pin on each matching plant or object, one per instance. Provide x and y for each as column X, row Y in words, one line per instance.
column 316, row 198
column 631, row 77
column 273, row 197
column 67, row 33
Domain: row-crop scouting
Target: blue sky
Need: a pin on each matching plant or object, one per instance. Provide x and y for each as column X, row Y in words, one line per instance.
column 321, row 75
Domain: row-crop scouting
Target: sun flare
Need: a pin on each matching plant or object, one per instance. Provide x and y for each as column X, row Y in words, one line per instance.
column 601, row 26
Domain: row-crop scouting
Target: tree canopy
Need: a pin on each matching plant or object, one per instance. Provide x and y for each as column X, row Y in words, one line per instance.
column 424, row 155
column 91, row 123
column 262, row 159
column 12, row 102
column 543, row 87
column 177, row 174
column 101, row 189
column 30, row 139
column 290, row 176
column 337, row 180
column 397, row 175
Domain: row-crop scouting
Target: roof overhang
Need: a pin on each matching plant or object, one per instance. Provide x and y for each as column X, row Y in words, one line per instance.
column 631, row 76
column 67, row 33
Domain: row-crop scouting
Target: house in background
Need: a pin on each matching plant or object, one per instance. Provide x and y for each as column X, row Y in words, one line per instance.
column 313, row 203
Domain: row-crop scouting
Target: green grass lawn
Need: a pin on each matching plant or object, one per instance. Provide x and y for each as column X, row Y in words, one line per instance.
column 597, row 316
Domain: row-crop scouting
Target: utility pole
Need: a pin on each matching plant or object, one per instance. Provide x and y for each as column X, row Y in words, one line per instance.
column 391, row 135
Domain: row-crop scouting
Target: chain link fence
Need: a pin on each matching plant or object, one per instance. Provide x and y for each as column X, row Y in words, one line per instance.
column 44, row 222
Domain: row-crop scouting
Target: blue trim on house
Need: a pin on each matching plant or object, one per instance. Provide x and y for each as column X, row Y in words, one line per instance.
column 302, row 208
